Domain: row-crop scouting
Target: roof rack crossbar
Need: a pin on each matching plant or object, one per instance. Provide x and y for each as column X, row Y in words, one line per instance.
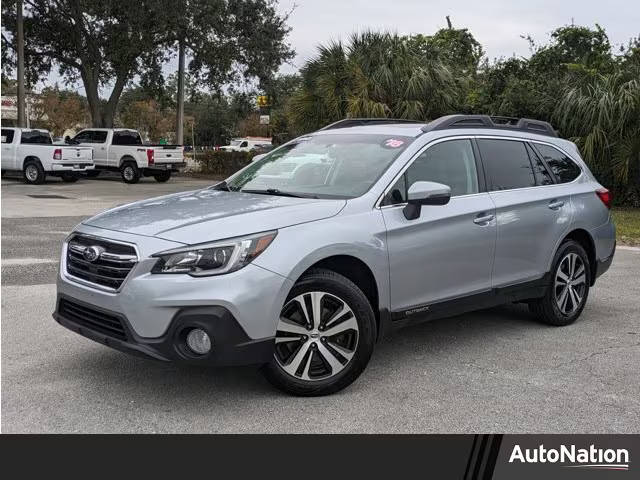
column 496, row 122
column 356, row 122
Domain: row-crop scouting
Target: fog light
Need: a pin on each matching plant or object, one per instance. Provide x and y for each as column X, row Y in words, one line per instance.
column 198, row 341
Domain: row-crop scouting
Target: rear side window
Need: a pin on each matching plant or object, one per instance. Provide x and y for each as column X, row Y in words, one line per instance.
column 126, row 137
column 543, row 176
column 507, row 164
column 7, row 135
column 561, row 165
column 35, row 136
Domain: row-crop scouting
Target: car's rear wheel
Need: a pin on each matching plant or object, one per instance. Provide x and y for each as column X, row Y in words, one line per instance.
column 162, row 176
column 130, row 172
column 324, row 338
column 33, row 173
column 567, row 293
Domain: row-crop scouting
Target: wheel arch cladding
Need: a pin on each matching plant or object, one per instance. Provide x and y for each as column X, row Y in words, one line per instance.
column 30, row 159
column 358, row 272
column 127, row 159
column 585, row 240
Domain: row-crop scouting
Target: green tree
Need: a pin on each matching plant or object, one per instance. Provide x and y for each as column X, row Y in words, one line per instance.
column 375, row 75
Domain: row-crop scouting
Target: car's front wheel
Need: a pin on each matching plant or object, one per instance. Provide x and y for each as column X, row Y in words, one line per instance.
column 325, row 336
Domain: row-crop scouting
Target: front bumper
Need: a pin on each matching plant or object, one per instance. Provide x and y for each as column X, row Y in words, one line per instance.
column 154, row 306
column 231, row 345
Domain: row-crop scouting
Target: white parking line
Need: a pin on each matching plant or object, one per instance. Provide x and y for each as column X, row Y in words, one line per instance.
column 27, row 261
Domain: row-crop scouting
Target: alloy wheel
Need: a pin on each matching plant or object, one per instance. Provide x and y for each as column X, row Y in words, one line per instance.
column 317, row 336
column 570, row 283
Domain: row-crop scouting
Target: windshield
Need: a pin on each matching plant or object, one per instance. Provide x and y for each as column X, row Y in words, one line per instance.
column 323, row 166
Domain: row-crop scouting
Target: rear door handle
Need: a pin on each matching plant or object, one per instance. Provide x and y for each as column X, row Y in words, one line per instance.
column 481, row 219
column 556, row 204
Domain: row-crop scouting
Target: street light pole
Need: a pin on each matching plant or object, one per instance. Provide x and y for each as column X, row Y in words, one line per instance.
column 20, row 53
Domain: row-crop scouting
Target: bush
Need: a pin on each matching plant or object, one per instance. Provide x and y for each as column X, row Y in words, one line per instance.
column 223, row 163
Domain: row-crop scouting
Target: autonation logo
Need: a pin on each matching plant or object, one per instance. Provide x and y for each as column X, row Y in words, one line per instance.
column 570, row 456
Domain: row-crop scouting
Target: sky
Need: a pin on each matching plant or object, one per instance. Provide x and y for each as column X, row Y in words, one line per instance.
column 497, row 25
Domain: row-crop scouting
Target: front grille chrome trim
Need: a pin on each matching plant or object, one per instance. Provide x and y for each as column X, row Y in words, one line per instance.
column 113, row 262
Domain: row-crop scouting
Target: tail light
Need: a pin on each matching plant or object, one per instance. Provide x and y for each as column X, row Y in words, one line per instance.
column 605, row 196
column 57, row 154
column 150, row 158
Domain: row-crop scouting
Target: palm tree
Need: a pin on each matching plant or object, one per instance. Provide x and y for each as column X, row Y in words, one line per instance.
column 601, row 113
column 375, row 75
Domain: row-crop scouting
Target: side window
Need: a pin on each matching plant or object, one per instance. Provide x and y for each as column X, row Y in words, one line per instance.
column 398, row 194
column 36, row 137
column 243, row 144
column 562, row 166
column 543, row 176
column 507, row 164
column 7, row 135
column 84, row 137
column 98, row 136
column 451, row 163
column 126, row 137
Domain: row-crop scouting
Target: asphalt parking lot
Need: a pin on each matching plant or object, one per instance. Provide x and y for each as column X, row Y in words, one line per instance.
column 496, row 370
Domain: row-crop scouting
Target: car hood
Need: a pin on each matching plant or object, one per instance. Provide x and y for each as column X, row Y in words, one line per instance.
column 206, row 215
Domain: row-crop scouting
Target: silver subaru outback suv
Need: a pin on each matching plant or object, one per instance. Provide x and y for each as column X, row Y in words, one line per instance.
column 304, row 259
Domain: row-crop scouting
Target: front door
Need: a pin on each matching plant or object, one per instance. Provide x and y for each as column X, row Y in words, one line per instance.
column 448, row 251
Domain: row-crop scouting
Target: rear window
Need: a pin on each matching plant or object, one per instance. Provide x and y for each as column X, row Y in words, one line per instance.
column 126, row 137
column 7, row 135
column 560, row 164
column 507, row 164
column 36, row 136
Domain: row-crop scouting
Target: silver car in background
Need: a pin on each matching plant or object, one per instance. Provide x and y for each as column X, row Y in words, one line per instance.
column 304, row 259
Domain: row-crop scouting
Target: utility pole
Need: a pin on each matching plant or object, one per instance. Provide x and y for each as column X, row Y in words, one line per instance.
column 20, row 52
column 180, row 113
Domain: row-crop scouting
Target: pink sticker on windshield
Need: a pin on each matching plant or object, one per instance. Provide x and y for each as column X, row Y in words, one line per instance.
column 393, row 143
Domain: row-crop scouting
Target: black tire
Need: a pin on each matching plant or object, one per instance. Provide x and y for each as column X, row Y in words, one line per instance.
column 69, row 177
column 130, row 172
column 93, row 173
column 321, row 280
column 33, row 173
column 546, row 308
column 162, row 176
column 3, row 173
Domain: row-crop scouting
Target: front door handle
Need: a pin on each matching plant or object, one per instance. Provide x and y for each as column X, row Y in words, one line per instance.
column 556, row 204
column 482, row 219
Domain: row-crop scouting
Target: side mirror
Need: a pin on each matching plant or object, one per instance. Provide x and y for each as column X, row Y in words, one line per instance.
column 425, row 193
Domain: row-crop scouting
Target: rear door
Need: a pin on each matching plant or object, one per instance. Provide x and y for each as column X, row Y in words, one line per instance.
column 448, row 251
column 532, row 212
column 8, row 149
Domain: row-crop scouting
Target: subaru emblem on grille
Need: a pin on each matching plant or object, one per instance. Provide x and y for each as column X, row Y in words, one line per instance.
column 92, row 253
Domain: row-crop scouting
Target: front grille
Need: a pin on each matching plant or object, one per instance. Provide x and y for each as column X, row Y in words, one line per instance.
column 92, row 319
column 111, row 267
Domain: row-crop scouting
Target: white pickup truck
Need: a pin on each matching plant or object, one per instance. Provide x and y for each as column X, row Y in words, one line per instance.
column 31, row 151
column 121, row 149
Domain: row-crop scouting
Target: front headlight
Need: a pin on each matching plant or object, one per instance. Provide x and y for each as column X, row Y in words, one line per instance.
column 213, row 258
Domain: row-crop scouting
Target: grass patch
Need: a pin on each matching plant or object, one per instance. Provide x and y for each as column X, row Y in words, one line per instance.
column 627, row 225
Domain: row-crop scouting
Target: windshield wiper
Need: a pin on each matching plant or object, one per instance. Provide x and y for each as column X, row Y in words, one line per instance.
column 275, row 191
